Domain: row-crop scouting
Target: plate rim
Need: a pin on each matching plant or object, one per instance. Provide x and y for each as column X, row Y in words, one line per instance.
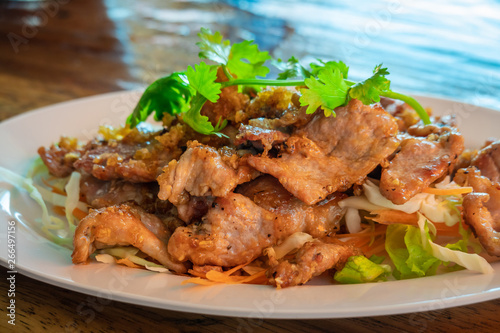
column 206, row 309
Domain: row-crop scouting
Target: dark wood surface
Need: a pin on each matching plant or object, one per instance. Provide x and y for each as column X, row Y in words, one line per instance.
column 60, row 50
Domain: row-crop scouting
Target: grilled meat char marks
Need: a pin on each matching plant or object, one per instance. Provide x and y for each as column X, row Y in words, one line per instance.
column 59, row 158
column 132, row 161
column 488, row 161
column 99, row 193
column 203, row 171
column 123, row 225
column 481, row 208
column 260, row 138
column 423, row 158
column 312, row 259
column 292, row 214
column 331, row 154
column 234, row 231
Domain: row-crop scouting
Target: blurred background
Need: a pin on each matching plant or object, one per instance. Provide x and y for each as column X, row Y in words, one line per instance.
column 56, row 50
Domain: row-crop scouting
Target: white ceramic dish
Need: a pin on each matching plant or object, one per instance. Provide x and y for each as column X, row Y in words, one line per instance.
column 40, row 259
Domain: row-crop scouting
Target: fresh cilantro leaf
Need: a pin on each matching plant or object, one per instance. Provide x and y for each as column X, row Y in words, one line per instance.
column 170, row 94
column 195, row 119
column 334, row 65
column 213, row 47
column 290, row 69
column 327, row 92
column 199, row 122
column 202, row 79
column 246, row 61
column 369, row 90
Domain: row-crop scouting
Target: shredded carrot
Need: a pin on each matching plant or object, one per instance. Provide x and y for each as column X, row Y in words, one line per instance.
column 390, row 216
column 448, row 191
column 214, row 277
column 79, row 214
column 59, row 210
column 53, row 188
column 127, row 262
column 377, row 249
column 362, row 234
column 235, row 269
column 197, row 274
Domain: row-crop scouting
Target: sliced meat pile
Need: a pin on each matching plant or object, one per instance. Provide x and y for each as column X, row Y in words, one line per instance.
column 488, row 161
column 331, row 154
column 59, row 158
column 292, row 214
column 203, row 171
column 313, row 259
column 262, row 139
column 121, row 226
column 233, row 232
column 98, row 194
column 130, row 160
column 137, row 157
column 429, row 153
column 481, row 208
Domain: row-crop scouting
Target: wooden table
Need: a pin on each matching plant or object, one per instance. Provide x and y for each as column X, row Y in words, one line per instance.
column 60, row 50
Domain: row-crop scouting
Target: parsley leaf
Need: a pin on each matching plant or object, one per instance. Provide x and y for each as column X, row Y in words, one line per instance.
column 246, row 61
column 170, row 94
column 369, row 90
column 213, row 47
column 327, row 92
column 202, row 79
column 290, row 69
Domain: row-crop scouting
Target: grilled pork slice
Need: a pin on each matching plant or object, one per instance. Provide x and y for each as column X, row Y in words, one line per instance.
column 331, row 154
column 203, row 171
column 292, row 214
column 312, row 259
column 59, row 158
column 234, row 232
column 121, row 226
column 488, row 161
column 260, row 138
column 420, row 162
column 481, row 208
column 136, row 159
column 99, row 193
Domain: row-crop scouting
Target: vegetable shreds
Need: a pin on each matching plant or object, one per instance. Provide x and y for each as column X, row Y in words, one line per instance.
column 448, row 191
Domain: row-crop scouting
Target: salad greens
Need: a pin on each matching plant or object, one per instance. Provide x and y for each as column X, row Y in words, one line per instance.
column 324, row 85
column 360, row 269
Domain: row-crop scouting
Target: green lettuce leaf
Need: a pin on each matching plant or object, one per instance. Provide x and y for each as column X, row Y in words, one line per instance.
column 360, row 269
column 404, row 246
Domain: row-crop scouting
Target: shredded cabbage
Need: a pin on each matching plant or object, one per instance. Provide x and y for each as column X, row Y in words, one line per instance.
column 72, row 197
column 293, row 242
column 130, row 254
column 48, row 222
column 471, row 261
column 353, row 220
column 434, row 207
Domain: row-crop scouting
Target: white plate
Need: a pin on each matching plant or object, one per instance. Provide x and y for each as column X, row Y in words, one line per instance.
column 42, row 260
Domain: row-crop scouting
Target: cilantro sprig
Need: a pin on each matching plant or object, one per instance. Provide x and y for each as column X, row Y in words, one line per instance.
column 325, row 85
